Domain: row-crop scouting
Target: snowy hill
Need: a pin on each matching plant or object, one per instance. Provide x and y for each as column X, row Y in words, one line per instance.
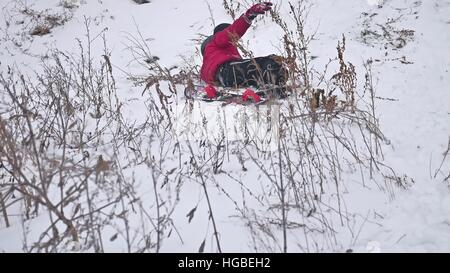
column 100, row 151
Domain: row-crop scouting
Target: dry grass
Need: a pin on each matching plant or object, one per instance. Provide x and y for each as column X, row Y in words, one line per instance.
column 68, row 152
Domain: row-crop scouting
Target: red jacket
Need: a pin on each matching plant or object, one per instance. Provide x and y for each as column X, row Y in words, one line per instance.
column 221, row 49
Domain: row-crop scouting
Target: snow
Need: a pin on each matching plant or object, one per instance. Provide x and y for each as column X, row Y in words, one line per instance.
column 414, row 114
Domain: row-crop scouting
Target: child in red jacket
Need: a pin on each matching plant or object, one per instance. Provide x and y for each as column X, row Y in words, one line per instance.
column 224, row 66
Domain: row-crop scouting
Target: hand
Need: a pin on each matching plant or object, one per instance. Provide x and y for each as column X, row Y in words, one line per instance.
column 250, row 95
column 252, row 12
column 211, row 91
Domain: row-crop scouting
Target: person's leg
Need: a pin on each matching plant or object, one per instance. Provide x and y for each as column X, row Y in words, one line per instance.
column 270, row 70
column 234, row 74
column 271, row 75
column 253, row 72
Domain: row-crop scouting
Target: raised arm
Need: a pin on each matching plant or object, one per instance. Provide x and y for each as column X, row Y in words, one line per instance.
column 234, row 31
column 240, row 26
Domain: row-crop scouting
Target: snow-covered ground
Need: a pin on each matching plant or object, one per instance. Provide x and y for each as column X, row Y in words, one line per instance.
column 412, row 83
